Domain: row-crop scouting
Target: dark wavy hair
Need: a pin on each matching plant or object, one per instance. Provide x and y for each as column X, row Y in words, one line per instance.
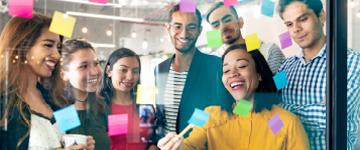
column 217, row 6
column 266, row 94
column 107, row 89
column 314, row 5
column 176, row 8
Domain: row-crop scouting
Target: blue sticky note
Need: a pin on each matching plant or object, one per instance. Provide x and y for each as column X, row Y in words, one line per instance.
column 67, row 118
column 267, row 7
column 280, row 80
column 199, row 118
column 187, row 5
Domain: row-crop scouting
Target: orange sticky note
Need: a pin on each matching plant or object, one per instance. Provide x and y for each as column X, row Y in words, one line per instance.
column 252, row 42
column 62, row 24
column 145, row 94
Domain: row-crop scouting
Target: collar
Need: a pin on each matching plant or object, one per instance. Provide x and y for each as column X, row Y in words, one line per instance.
column 321, row 54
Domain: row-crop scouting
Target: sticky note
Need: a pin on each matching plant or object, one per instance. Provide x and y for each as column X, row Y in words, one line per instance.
column 146, row 94
column 99, row 1
column 275, row 124
column 117, row 124
column 252, row 42
column 285, row 40
column 214, row 38
column 21, row 8
column 187, row 5
column 67, row 118
column 243, row 108
column 199, row 117
column 280, row 80
column 267, row 7
column 228, row 3
column 62, row 24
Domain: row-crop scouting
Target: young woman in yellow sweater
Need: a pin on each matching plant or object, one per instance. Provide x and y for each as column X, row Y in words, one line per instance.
column 247, row 77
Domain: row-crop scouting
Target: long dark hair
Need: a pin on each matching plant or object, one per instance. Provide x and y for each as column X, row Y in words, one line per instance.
column 265, row 95
column 17, row 38
column 94, row 101
column 107, row 89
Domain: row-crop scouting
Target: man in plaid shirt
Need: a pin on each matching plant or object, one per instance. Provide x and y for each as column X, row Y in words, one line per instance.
column 304, row 94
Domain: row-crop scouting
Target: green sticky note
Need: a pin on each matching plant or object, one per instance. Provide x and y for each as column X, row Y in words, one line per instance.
column 242, row 108
column 252, row 42
column 214, row 38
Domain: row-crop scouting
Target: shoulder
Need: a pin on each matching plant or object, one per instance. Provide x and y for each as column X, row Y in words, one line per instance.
column 291, row 61
column 208, row 57
column 286, row 116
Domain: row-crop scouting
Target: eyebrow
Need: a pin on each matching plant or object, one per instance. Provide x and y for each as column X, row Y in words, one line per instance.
column 49, row 40
column 237, row 60
column 303, row 15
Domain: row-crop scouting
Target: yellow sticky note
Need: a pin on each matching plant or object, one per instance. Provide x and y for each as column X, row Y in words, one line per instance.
column 146, row 94
column 62, row 24
column 252, row 42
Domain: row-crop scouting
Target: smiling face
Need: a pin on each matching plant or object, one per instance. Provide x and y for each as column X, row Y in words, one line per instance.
column 303, row 24
column 124, row 74
column 224, row 20
column 83, row 71
column 239, row 74
column 44, row 55
column 184, row 30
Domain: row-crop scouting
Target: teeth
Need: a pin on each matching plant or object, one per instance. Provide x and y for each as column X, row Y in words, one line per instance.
column 92, row 80
column 232, row 85
column 183, row 41
column 50, row 63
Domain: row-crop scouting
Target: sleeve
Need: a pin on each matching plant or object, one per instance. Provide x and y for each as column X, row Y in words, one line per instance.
column 312, row 115
column 197, row 139
column 353, row 100
column 276, row 58
column 297, row 138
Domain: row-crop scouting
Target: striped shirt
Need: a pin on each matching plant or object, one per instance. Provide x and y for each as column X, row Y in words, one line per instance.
column 173, row 92
column 305, row 94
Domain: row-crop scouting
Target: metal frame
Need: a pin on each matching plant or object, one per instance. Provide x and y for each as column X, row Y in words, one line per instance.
column 336, row 31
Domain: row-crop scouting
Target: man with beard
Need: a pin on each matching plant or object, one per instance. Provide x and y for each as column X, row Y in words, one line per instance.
column 189, row 79
column 229, row 23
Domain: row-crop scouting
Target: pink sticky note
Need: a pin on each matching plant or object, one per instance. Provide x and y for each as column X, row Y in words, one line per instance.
column 187, row 5
column 228, row 3
column 118, row 124
column 99, row 1
column 276, row 124
column 285, row 40
column 21, row 8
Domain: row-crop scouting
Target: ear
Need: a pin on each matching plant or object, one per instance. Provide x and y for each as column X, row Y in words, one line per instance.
column 167, row 26
column 63, row 75
column 259, row 77
column 241, row 22
column 108, row 71
column 322, row 17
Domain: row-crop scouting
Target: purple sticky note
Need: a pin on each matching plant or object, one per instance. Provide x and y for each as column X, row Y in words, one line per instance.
column 228, row 3
column 21, row 8
column 118, row 124
column 276, row 124
column 99, row 1
column 187, row 5
column 285, row 40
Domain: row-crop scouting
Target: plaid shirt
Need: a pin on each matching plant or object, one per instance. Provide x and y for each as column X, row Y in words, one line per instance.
column 306, row 90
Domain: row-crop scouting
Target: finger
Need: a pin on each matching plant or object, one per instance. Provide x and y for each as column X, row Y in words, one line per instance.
column 76, row 147
column 165, row 139
column 178, row 143
column 175, row 143
column 170, row 144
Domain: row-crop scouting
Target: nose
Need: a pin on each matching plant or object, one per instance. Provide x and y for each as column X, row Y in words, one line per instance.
column 55, row 54
column 297, row 27
column 234, row 72
column 184, row 33
column 94, row 70
column 130, row 76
